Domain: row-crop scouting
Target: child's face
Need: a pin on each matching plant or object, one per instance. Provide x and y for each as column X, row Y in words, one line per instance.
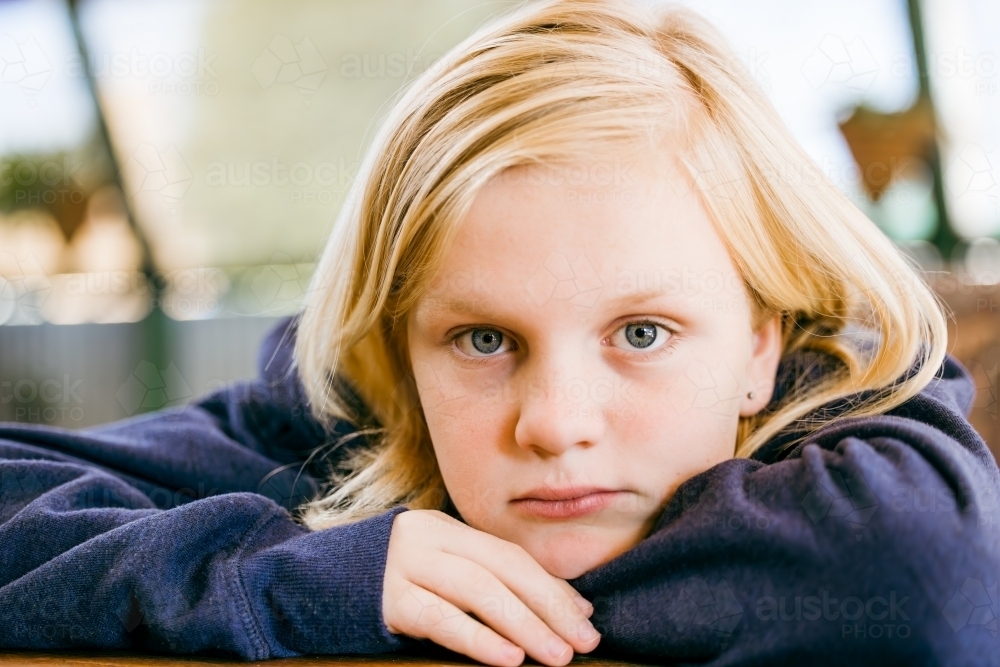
column 562, row 377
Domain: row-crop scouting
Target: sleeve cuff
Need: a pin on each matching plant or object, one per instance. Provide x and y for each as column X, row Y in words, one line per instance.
column 321, row 592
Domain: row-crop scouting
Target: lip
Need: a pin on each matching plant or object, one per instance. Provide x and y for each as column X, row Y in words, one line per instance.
column 552, row 503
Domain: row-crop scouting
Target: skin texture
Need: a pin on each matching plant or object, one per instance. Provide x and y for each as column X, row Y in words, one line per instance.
column 437, row 568
column 567, row 399
column 532, row 359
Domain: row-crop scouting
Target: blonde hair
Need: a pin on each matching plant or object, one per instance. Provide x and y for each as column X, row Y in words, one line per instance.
column 544, row 85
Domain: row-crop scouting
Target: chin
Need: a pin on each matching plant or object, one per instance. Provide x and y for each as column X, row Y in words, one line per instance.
column 567, row 567
column 568, row 554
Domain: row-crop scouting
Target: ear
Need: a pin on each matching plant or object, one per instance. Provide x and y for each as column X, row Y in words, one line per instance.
column 763, row 367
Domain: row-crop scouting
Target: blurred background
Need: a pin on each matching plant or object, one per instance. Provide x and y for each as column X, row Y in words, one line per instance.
column 169, row 170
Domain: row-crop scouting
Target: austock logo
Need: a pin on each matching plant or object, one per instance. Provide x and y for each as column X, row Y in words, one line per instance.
column 697, row 613
column 841, row 63
column 562, row 279
column 284, row 61
column 24, row 64
column 986, row 388
column 713, row 607
column 875, row 617
column 24, row 287
column 151, row 170
column 150, row 388
column 973, row 605
column 19, row 485
column 281, row 285
column 845, row 497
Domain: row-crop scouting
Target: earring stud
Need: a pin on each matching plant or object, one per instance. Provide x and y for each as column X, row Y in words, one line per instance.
column 750, row 395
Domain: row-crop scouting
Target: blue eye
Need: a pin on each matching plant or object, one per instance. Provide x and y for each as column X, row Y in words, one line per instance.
column 484, row 341
column 640, row 335
column 644, row 335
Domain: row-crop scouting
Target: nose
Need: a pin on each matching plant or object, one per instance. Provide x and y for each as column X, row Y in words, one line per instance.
column 558, row 411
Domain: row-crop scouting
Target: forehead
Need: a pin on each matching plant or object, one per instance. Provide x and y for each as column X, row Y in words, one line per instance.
column 603, row 226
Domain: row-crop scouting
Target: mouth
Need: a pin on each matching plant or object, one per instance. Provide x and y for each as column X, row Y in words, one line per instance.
column 565, row 503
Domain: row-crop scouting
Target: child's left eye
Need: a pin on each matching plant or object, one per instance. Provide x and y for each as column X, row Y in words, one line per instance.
column 644, row 336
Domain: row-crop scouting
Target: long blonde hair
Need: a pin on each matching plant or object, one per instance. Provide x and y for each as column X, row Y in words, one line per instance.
column 545, row 84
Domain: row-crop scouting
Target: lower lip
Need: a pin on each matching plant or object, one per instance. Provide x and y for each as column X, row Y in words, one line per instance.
column 569, row 508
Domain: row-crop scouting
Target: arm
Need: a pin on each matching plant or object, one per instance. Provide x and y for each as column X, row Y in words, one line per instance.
column 147, row 534
column 250, row 435
column 89, row 562
column 876, row 538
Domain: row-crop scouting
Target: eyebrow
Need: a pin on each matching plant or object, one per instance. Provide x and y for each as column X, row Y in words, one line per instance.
column 467, row 305
column 640, row 297
column 459, row 306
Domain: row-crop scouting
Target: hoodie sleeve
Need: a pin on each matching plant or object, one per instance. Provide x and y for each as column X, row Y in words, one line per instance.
column 873, row 542
column 169, row 533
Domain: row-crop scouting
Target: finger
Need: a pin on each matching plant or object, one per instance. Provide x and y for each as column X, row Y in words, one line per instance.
column 425, row 615
column 552, row 599
column 472, row 587
column 582, row 602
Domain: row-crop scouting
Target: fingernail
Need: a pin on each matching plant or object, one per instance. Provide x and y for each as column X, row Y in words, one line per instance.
column 557, row 648
column 509, row 650
column 588, row 633
column 584, row 604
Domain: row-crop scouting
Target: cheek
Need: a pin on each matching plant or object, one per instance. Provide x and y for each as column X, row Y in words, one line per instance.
column 707, row 383
column 467, row 437
column 665, row 449
column 682, row 424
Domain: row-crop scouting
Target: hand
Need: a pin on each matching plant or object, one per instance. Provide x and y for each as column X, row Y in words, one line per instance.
column 438, row 568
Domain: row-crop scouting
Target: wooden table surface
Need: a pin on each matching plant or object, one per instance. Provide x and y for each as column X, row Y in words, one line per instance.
column 104, row 659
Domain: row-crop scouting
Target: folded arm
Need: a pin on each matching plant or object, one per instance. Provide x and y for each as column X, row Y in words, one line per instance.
column 90, row 562
column 876, row 538
column 171, row 532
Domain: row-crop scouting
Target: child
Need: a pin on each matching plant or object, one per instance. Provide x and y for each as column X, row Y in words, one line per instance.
column 578, row 321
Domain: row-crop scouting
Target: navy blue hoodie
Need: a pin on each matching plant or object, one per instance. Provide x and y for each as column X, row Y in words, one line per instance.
column 875, row 541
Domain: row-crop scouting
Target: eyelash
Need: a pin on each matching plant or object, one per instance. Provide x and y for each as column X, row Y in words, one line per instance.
column 661, row 351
